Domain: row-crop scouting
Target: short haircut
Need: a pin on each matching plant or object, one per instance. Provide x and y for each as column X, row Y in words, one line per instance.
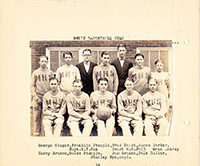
column 105, row 53
column 139, row 54
column 87, row 49
column 153, row 80
column 129, row 79
column 157, row 61
column 121, row 45
column 77, row 81
column 102, row 79
column 43, row 56
column 68, row 53
column 53, row 78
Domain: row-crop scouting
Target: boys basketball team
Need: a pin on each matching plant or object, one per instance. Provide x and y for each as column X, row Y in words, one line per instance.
column 104, row 95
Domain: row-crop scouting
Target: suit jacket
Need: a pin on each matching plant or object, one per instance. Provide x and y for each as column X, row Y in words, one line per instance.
column 122, row 72
column 86, row 77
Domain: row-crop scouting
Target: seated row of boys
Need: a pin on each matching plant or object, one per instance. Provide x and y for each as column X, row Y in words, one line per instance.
column 90, row 73
column 80, row 106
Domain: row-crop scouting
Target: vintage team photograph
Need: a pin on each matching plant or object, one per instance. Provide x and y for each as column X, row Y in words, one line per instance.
column 101, row 88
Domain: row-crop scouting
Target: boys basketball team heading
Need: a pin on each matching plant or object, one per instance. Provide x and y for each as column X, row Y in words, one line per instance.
column 106, row 95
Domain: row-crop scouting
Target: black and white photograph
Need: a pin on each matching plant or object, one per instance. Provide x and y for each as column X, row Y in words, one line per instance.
column 98, row 83
column 129, row 68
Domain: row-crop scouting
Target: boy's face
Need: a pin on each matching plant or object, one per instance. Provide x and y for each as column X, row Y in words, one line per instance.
column 68, row 59
column 152, row 85
column 43, row 62
column 105, row 59
column 53, row 85
column 77, row 87
column 122, row 52
column 86, row 56
column 129, row 85
column 139, row 60
column 103, row 85
column 159, row 66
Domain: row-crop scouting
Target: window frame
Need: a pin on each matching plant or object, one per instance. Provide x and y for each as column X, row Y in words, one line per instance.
column 80, row 50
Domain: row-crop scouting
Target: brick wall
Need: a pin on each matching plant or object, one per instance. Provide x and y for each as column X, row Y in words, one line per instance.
column 38, row 48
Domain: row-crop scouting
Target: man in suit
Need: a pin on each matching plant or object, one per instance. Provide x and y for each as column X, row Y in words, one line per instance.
column 122, row 65
column 86, row 70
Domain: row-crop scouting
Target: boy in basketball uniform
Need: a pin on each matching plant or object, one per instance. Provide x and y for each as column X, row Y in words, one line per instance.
column 154, row 108
column 54, row 107
column 130, row 110
column 107, row 71
column 164, row 82
column 78, row 104
column 140, row 75
column 39, row 86
column 103, row 98
column 67, row 73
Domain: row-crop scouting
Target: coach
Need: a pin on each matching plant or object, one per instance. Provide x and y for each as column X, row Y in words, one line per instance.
column 122, row 66
column 86, row 70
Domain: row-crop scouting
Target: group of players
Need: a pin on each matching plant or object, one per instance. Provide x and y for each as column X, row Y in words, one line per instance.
column 83, row 91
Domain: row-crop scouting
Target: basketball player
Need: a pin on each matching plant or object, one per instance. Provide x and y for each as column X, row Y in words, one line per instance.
column 86, row 70
column 154, row 108
column 164, row 82
column 78, row 104
column 140, row 74
column 122, row 66
column 103, row 98
column 67, row 73
column 106, row 70
column 39, row 86
column 130, row 110
column 54, row 103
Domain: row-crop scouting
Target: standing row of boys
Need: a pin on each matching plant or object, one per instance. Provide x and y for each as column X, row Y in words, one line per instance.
column 136, row 89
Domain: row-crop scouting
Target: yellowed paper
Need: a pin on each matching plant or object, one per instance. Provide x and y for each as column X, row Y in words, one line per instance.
column 25, row 21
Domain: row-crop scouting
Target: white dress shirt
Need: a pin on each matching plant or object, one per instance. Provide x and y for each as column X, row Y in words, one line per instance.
column 122, row 61
column 87, row 66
